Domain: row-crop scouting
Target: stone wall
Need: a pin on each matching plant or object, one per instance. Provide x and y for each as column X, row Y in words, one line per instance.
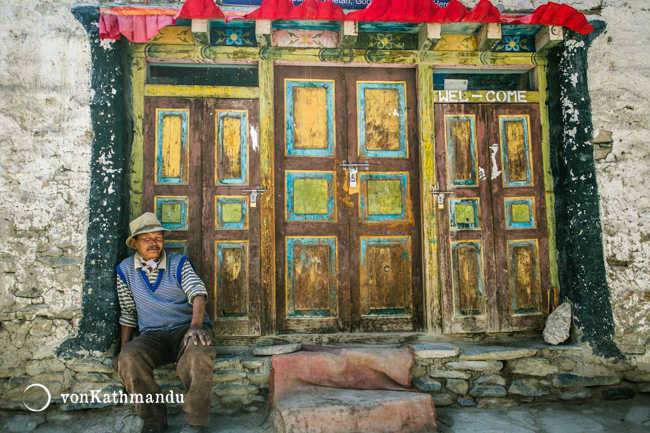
column 508, row 376
column 46, row 136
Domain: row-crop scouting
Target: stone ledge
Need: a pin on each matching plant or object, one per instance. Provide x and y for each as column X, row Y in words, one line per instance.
column 435, row 350
column 495, row 353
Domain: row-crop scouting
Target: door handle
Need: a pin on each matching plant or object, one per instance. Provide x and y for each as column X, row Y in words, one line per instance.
column 253, row 194
column 441, row 197
column 353, row 169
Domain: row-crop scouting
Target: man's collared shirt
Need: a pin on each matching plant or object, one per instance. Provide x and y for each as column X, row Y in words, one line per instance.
column 191, row 284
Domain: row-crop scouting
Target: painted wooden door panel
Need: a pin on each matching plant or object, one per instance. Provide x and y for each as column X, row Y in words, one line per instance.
column 493, row 239
column 199, row 154
column 231, row 224
column 347, row 257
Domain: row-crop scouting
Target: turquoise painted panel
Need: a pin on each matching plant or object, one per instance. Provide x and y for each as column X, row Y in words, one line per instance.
column 306, row 24
column 184, row 115
column 401, row 151
column 298, row 256
column 451, row 149
column 289, row 116
column 173, row 203
column 388, row 27
column 464, row 214
column 231, row 225
column 467, row 281
column 404, row 243
column 516, row 214
column 178, row 247
column 515, row 44
column 517, row 30
column 396, row 209
column 241, row 180
column 243, row 288
column 298, row 210
column 528, row 181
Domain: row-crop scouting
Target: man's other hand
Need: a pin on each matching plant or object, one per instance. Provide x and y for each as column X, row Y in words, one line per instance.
column 197, row 335
column 115, row 361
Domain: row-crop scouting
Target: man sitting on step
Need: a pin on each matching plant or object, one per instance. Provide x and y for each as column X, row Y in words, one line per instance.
column 161, row 294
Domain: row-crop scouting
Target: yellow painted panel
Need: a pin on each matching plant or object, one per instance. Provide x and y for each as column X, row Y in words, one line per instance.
column 310, row 117
column 174, row 35
column 171, row 146
column 462, row 136
column 456, row 43
column 231, row 130
column 382, row 119
column 517, row 156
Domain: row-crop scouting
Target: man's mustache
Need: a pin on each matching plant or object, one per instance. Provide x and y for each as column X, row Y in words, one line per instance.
column 154, row 248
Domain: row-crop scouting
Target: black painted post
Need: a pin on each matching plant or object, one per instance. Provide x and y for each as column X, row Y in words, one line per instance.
column 108, row 201
column 581, row 262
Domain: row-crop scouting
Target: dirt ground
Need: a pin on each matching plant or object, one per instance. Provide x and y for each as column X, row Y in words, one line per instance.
column 630, row 415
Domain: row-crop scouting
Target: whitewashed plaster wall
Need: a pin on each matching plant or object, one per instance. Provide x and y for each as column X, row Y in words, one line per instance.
column 45, row 139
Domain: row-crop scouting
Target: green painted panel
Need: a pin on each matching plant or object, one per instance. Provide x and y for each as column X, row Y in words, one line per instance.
column 310, row 196
column 464, row 214
column 171, row 213
column 520, row 213
column 231, row 212
column 384, row 197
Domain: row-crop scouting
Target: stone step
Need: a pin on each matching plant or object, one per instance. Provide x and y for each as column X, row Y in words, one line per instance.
column 331, row 410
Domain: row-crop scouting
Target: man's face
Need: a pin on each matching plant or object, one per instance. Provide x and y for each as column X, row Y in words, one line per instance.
column 149, row 245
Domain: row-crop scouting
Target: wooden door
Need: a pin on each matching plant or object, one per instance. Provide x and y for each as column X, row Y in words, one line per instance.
column 348, row 256
column 198, row 156
column 492, row 224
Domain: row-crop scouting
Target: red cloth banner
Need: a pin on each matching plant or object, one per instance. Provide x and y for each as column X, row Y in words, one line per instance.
column 308, row 10
column 200, row 10
column 553, row 14
column 141, row 24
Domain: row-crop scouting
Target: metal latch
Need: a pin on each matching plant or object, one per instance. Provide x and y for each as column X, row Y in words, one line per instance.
column 253, row 193
column 441, row 197
column 353, row 169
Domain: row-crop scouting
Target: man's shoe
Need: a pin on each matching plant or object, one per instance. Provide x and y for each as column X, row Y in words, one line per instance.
column 151, row 428
column 192, row 428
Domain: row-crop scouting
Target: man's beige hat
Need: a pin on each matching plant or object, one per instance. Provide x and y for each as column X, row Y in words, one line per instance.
column 145, row 223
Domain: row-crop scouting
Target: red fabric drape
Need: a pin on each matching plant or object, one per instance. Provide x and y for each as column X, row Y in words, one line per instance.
column 136, row 24
column 140, row 24
column 553, row 14
column 200, row 10
column 308, row 10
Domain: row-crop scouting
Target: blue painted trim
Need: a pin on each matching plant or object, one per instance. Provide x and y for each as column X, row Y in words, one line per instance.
column 451, row 150
column 461, row 28
column 510, row 224
column 453, row 221
column 363, row 197
column 243, row 224
column 455, row 277
column 306, row 24
column 401, row 241
column 517, row 29
column 373, row 27
column 401, row 152
column 176, row 245
column 331, row 196
column 184, row 114
column 183, row 201
column 504, row 151
column 288, row 97
column 333, row 286
column 243, row 117
column 244, row 247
